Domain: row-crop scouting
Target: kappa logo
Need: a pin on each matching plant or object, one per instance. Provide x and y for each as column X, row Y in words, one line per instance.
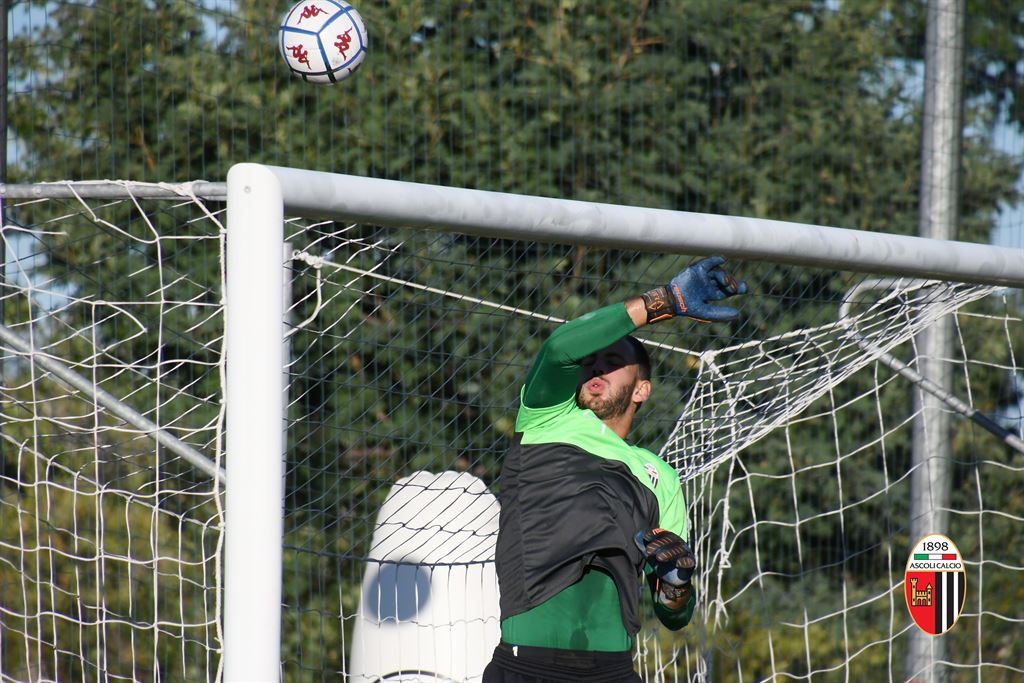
column 652, row 474
column 935, row 584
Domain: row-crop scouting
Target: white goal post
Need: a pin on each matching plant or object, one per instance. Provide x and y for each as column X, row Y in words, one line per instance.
column 260, row 441
column 259, row 197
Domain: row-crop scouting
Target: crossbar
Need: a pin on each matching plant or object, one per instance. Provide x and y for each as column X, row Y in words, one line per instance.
column 106, row 189
column 542, row 219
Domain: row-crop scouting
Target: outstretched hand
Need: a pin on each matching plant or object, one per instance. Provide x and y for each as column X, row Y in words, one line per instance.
column 692, row 291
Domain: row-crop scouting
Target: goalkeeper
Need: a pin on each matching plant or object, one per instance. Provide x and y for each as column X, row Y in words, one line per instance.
column 582, row 511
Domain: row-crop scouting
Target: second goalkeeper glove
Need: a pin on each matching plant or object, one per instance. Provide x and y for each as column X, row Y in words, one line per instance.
column 668, row 555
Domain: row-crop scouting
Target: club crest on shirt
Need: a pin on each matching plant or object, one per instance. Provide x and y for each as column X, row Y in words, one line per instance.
column 935, row 584
column 652, row 474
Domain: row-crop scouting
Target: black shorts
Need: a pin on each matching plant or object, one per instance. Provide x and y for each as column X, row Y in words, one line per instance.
column 524, row 664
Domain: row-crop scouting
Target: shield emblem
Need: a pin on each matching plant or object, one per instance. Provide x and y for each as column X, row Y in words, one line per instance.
column 935, row 584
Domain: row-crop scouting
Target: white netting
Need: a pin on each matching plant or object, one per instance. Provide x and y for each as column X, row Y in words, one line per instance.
column 805, row 535
column 746, row 391
column 110, row 519
column 406, row 353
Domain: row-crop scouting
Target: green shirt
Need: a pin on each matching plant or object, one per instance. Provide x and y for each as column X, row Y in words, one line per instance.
column 586, row 614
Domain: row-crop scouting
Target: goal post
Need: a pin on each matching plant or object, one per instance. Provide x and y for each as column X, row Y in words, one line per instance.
column 254, row 396
column 542, row 219
column 260, row 196
column 211, row 476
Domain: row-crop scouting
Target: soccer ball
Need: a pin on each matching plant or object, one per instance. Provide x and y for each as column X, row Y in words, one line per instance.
column 323, row 41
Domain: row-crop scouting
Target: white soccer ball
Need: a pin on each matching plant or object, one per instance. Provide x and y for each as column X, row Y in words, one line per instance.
column 323, row 41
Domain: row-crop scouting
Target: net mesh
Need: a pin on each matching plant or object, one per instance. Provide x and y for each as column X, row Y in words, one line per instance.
column 110, row 540
column 805, row 534
column 406, row 352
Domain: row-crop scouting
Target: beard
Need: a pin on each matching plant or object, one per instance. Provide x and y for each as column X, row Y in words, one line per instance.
column 610, row 405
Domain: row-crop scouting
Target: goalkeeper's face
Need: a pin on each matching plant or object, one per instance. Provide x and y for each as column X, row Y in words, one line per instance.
column 610, row 382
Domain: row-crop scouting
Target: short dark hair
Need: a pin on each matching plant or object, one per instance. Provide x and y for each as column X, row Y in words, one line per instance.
column 643, row 359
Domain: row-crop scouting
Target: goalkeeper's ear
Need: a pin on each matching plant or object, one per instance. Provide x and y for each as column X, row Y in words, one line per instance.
column 642, row 390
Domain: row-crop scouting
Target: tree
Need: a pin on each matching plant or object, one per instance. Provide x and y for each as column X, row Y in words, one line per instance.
column 794, row 110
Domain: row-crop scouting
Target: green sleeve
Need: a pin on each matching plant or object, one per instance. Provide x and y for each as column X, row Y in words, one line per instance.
column 555, row 374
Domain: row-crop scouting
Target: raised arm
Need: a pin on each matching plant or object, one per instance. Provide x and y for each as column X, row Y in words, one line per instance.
column 556, row 371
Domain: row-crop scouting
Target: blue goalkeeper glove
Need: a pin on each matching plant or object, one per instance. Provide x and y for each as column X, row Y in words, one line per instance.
column 668, row 555
column 691, row 292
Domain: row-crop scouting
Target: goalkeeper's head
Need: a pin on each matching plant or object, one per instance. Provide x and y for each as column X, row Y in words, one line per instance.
column 615, row 381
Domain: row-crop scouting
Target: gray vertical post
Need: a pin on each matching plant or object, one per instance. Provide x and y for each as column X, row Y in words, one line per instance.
column 937, row 219
column 5, row 7
column 286, row 352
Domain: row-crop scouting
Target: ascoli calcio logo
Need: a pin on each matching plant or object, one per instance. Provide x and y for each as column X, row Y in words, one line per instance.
column 935, row 584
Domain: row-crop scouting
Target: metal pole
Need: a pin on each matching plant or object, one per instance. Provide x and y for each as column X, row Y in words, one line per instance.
column 908, row 373
column 564, row 221
column 254, row 396
column 286, row 350
column 4, row 9
column 937, row 219
column 108, row 189
column 544, row 219
column 23, row 347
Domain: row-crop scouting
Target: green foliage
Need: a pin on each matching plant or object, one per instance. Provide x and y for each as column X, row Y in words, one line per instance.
column 796, row 110
column 86, row 541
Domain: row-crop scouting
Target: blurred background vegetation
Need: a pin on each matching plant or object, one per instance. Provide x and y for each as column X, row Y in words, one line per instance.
column 798, row 110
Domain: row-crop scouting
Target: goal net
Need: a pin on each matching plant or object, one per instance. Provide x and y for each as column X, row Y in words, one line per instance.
column 110, row 516
column 404, row 350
